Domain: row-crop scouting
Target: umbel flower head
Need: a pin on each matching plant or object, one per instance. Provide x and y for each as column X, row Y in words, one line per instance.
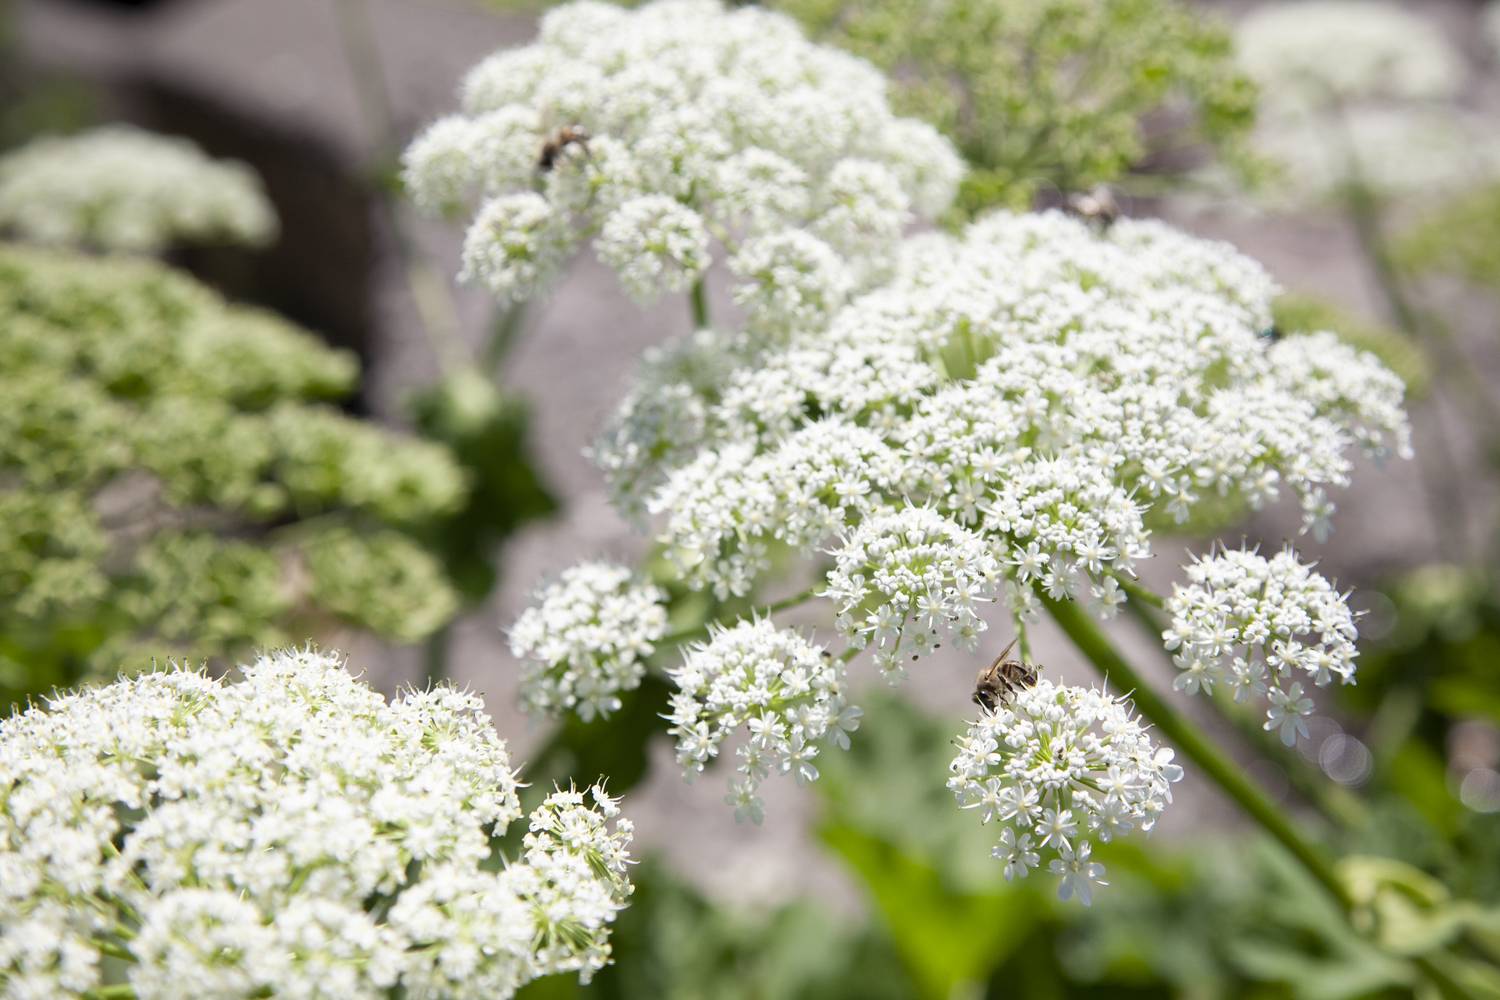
column 1027, row 398
column 118, row 188
column 1061, row 768
column 1263, row 627
column 784, row 692
column 659, row 131
column 289, row 834
column 586, row 639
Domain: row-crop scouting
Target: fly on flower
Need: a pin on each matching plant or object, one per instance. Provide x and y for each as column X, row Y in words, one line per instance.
column 556, row 145
column 999, row 681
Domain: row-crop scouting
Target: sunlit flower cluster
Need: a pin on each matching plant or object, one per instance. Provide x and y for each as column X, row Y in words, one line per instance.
column 118, row 188
column 1061, row 768
column 660, row 131
column 1031, row 392
column 784, row 692
column 291, row 834
column 586, row 639
column 905, row 580
column 1262, row 627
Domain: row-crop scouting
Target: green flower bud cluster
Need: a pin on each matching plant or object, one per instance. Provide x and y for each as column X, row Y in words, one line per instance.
column 1051, row 95
column 175, row 480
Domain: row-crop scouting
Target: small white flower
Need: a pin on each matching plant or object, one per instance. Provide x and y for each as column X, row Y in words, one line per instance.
column 1262, row 626
column 784, row 692
column 1078, row 875
column 586, row 639
column 1288, row 712
column 1061, row 768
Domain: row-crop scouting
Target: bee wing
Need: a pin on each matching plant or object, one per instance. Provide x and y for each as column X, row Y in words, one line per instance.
column 1004, row 653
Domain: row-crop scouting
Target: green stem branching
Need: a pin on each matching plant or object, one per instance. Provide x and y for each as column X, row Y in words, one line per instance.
column 1197, row 747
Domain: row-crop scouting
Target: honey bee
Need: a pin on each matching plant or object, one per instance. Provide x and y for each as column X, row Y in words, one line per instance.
column 1095, row 205
column 553, row 148
column 1000, row 680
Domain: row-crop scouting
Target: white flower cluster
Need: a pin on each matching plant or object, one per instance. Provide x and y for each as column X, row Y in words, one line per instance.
column 660, row 130
column 290, row 835
column 586, row 639
column 786, row 693
column 1261, row 626
column 907, row 579
column 1383, row 113
column 999, row 419
column 118, row 188
column 1383, row 50
column 1061, row 768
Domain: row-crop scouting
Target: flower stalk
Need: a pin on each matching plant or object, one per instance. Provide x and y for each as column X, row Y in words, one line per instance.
column 1100, row 652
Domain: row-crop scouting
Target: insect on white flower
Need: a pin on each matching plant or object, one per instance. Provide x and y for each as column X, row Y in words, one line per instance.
column 1061, row 768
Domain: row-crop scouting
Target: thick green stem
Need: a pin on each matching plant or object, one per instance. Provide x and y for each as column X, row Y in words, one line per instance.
column 118, row 991
column 700, row 303
column 1099, row 651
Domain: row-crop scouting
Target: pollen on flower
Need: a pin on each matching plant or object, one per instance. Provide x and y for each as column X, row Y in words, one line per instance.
column 1061, row 768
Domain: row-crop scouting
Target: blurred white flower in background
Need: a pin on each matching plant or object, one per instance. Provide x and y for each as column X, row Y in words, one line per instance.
column 1312, row 52
column 291, row 834
column 118, row 188
column 1361, row 92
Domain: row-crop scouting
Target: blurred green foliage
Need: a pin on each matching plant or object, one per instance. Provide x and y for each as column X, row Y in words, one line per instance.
column 1053, row 95
column 174, row 482
column 488, row 432
column 1461, row 238
column 1295, row 313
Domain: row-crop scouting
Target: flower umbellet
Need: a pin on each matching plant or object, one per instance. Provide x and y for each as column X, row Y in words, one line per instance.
column 587, row 639
column 784, row 692
column 1061, row 768
column 1261, row 627
column 289, row 834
